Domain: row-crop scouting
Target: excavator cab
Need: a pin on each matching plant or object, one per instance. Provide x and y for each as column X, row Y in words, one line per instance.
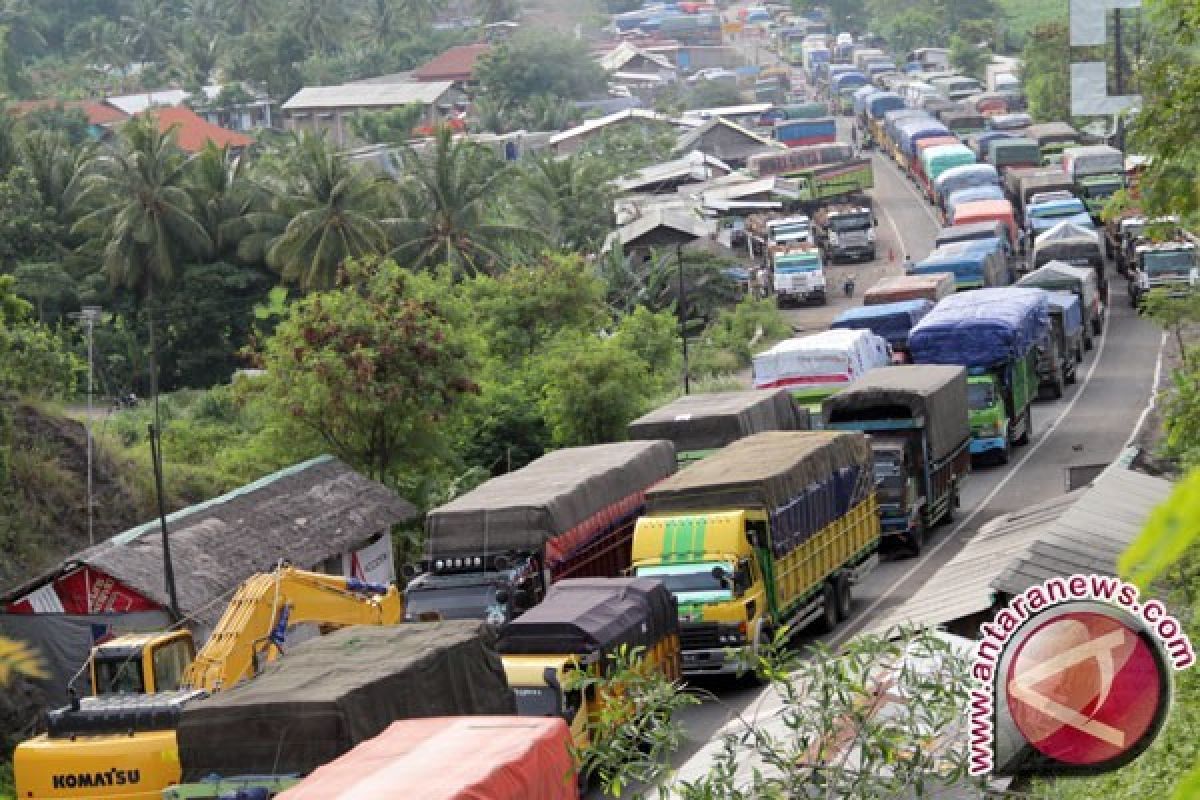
column 141, row 663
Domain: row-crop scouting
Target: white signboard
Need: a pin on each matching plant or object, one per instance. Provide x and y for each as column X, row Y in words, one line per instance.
column 1089, row 79
column 372, row 563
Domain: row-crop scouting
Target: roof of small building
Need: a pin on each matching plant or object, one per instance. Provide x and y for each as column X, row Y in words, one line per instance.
column 456, row 64
column 616, row 59
column 98, row 112
column 133, row 104
column 193, row 132
column 592, row 125
column 692, row 139
column 367, row 95
column 304, row 514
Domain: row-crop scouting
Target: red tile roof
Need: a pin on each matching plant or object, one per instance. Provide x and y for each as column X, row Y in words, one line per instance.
column 97, row 111
column 193, row 131
column 456, row 64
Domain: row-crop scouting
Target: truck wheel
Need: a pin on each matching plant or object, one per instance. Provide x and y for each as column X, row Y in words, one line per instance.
column 1078, row 356
column 1024, row 439
column 829, row 616
column 1098, row 325
column 845, row 596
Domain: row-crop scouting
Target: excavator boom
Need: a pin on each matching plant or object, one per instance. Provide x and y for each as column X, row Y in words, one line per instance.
column 254, row 626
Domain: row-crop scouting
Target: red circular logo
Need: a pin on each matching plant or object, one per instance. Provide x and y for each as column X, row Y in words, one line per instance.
column 1084, row 688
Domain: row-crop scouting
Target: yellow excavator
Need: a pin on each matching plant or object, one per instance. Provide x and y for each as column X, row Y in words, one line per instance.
column 119, row 743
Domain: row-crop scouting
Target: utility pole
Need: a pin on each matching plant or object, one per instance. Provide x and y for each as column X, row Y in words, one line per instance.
column 89, row 316
column 687, row 381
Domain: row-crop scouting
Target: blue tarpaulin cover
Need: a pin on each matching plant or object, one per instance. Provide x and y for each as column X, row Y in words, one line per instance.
column 892, row 321
column 1072, row 312
column 981, row 328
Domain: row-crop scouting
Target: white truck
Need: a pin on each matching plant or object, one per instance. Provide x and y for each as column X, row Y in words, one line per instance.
column 797, row 274
column 1002, row 75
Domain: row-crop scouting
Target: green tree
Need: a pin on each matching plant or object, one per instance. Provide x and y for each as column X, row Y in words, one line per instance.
column 29, row 230
column 319, row 23
column 333, row 208
column 714, row 94
column 147, row 26
column 372, row 369
column 47, row 285
column 229, row 204
column 450, row 199
column 34, row 359
column 1045, row 73
column 844, row 15
column 968, row 56
column 393, row 126
column 249, row 15
column 380, row 23
column 490, row 11
column 530, row 64
column 912, row 28
column 568, row 199
column 137, row 212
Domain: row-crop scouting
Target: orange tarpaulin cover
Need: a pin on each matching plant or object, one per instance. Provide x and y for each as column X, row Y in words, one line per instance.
column 452, row 758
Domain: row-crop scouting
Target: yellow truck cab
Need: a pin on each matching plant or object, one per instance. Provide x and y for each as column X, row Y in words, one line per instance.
column 772, row 531
column 579, row 625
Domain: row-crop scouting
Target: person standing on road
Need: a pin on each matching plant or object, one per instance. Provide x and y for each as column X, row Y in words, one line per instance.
column 908, row 263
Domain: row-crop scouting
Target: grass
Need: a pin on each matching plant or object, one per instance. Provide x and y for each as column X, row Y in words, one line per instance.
column 1024, row 15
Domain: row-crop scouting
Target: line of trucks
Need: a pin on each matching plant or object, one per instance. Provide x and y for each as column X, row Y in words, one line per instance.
column 724, row 520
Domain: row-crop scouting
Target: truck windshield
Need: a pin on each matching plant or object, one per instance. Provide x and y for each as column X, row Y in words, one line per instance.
column 120, row 676
column 1178, row 262
column 790, row 232
column 980, row 396
column 691, row 579
column 537, row 701
column 450, row 600
column 850, row 222
column 1100, row 189
column 802, row 264
column 1057, row 211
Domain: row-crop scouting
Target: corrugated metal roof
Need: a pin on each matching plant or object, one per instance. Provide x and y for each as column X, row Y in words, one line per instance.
column 622, row 54
column 962, row 586
column 686, row 222
column 691, row 139
column 1092, row 534
column 603, row 122
column 695, row 164
column 365, row 95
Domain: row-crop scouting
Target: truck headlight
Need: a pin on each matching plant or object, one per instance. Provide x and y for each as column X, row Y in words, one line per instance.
column 870, row 234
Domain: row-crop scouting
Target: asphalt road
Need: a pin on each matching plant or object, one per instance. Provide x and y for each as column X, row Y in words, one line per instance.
column 1091, row 424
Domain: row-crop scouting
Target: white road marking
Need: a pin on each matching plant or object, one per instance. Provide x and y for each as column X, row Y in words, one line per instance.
column 861, row 618
column 1158, row 365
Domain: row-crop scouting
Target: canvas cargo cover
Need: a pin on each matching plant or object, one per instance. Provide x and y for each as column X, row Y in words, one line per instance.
column 970, row 232
column 1067, row 306
column 711, row 421
column 1057, row 275
column 337, row 691
column 937, row 393
column 894, row 288
column 767, row 471
column 1051, row 133
column 1067, row 231
column 982, row 328
column 525, row 509
column 829, row 358
column 1002, row 152
column 892, row 321
column 1014, row 177
column 452, row 758
column 965, row 176
column 1098, row 159
column 593, row 616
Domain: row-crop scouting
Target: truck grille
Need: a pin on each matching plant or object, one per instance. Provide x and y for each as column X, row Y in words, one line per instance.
column 698, row 636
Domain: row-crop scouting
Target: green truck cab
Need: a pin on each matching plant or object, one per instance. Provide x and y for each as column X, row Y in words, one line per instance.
column 771, row 532
column 999, row 401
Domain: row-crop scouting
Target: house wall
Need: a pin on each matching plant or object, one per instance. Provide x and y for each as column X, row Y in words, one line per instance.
column 335, row 123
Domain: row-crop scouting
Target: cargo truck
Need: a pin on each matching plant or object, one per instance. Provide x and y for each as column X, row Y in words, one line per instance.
column 1079, row 280
column 1071, row 244
column 452, row 758
column 1046, row 211
column 892, row 321
column 1052, row 139
column 993, row 333
column 579, row 628
column 337, row 691
column 1063, row 348
column 1169, row 266
column 898, row 288
column 1098, row 172
column 493, row 552
column 966, row 176
column 845, row 232
column 1005, row 153
column 797, row 275
column 974, row 264
column 700, row 424
column 1022, row 184
column 815, row 366
column 821, row 173
column 770, row 533
column 804, row 132
column 915, row 418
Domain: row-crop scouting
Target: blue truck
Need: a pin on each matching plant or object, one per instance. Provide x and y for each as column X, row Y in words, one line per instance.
column 994, row 333
column 892, row 321
column 975, row 264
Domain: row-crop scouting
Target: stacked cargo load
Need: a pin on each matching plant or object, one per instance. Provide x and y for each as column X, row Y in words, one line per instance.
column 892, row 321
column 896, row 288
column 337, row 691
column 699, row 424
column 814, row 366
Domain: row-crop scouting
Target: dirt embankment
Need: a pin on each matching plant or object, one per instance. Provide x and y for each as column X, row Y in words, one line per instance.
column 43, row 496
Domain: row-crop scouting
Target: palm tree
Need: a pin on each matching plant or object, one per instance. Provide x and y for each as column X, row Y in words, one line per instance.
column 320, row 23
column 566, row 199
column 380, row 24
column 147, row 34
column 248, row 15
column 419, row 12
column 22, row 25
column 55, row 166
column 333, row 210
column 195, row 56
column 449, row 199
column 136, row 208
column 236, row 212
